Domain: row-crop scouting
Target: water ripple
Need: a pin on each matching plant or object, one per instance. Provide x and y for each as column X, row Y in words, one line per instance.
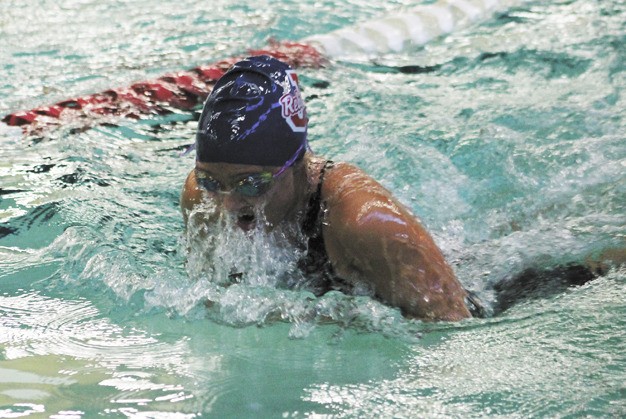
column 33, row 324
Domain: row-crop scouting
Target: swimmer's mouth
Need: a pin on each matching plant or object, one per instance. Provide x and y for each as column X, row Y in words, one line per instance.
column 246, row 221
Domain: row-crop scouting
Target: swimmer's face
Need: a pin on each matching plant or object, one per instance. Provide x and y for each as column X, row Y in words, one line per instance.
column 242, row 191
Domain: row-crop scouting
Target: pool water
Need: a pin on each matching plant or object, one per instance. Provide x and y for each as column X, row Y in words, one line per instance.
column 506, row 138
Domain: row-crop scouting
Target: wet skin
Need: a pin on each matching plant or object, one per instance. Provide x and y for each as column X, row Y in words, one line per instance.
column 368, row 235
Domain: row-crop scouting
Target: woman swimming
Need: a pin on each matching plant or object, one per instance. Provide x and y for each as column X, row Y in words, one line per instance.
column 253, row 164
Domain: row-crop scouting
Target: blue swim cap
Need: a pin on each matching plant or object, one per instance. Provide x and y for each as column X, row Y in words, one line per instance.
column 254, row 115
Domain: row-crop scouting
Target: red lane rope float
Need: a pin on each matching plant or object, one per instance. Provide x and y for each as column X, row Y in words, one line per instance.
column 183, row 90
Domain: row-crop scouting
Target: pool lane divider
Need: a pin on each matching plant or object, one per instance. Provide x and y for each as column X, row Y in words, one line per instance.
column 409, row 27
column 180, row 91
column 186, row 90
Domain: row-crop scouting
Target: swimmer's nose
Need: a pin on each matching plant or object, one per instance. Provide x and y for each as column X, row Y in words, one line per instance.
column 231, row 202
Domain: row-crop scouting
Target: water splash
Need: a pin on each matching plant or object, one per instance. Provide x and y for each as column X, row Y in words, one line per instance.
column 225, row 254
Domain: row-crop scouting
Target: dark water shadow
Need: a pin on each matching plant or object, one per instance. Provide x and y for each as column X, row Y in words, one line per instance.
column 537, row 283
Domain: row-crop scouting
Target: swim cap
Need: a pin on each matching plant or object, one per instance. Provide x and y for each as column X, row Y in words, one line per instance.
column 254, row 115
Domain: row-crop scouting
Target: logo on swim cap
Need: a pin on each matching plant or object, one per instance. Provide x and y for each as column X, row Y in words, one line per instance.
column 293, row 109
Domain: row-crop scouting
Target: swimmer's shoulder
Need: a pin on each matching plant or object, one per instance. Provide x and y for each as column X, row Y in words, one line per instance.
column 348, row 188
column 360, row 209
column 372, row 238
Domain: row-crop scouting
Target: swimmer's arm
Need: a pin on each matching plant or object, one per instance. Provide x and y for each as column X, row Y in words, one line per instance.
column 371, row 237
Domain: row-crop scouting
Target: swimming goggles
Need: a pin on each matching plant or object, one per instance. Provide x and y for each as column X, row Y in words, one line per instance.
column 251, row 186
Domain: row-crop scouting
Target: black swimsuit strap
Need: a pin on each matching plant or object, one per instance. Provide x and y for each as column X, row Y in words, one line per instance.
column 311, row 225
column 315, row 264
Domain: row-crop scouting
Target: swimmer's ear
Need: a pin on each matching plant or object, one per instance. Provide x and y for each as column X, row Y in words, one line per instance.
column 191, row 195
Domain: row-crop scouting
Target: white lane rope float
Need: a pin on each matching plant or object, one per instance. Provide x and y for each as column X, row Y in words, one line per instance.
column 185, row 90
column 415, row 26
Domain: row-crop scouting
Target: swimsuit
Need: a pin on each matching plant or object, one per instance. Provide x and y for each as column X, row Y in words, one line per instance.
column 316, row 266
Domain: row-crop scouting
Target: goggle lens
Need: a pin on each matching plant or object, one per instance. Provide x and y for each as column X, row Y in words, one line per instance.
column 252, row 186
column 255, row 185
column 206, row 182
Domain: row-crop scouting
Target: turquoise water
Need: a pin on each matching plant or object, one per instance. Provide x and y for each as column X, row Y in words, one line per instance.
column 507, row 139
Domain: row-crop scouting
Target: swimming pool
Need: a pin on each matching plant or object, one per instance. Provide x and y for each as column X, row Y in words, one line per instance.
column 506, row 138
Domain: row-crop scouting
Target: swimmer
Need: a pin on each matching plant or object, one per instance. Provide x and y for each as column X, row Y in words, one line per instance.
column 254, row 163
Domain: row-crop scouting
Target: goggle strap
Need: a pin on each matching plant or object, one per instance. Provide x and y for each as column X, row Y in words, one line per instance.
column 291, row 161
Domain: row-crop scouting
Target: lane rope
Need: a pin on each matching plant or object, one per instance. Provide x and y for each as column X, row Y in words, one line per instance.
column 186, row 90
column 416, row 26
